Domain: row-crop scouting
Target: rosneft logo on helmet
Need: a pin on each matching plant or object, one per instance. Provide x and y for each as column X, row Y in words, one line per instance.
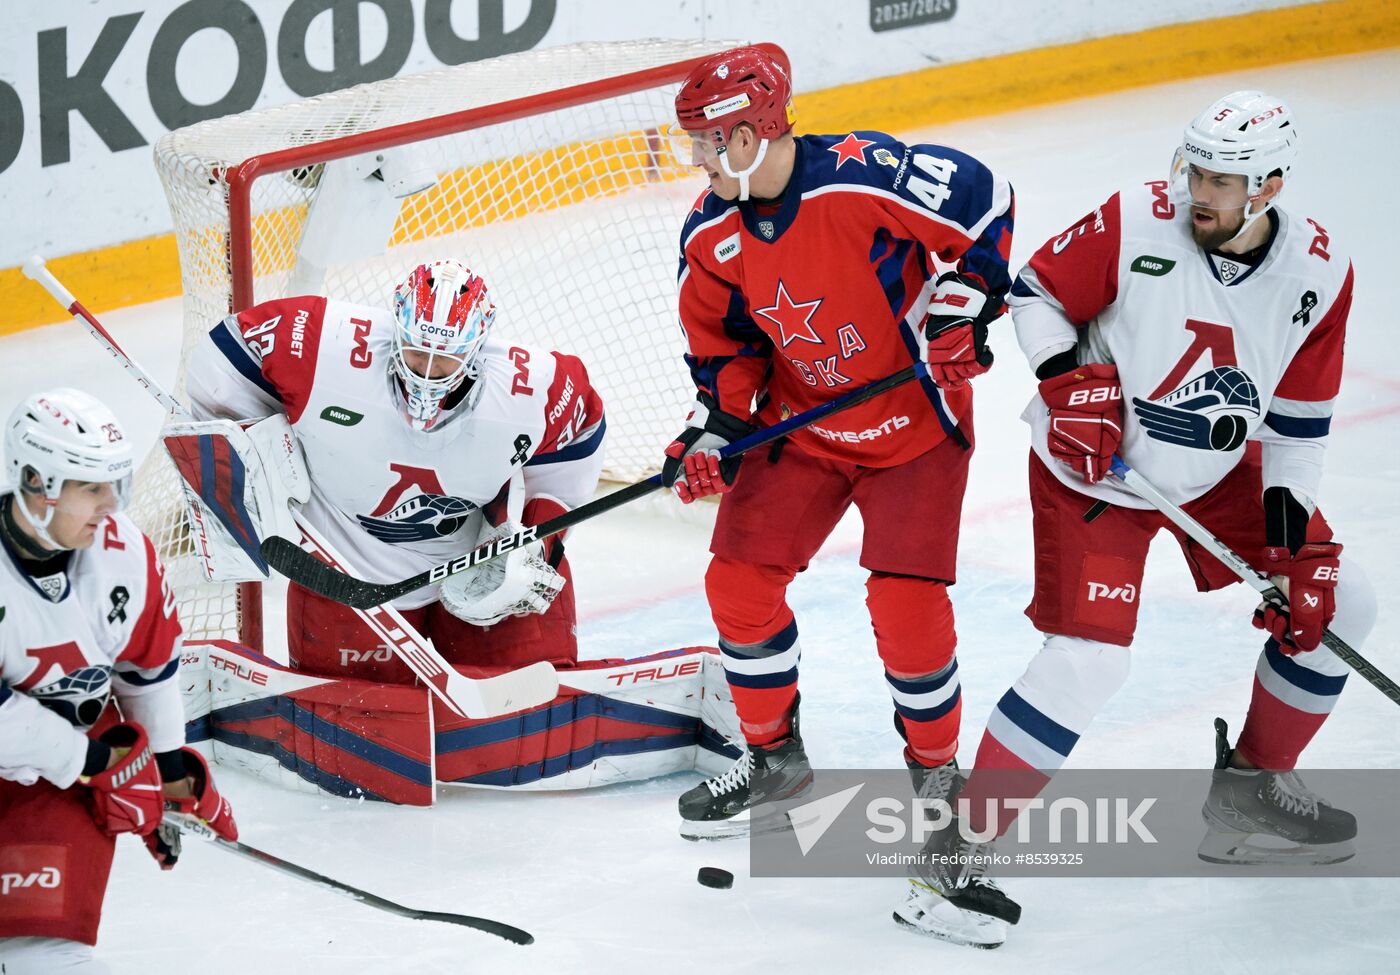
column 731, row 104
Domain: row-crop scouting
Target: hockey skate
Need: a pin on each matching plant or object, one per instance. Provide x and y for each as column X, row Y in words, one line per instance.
column 733, row 804
column 954, row 900
column 1257, row 817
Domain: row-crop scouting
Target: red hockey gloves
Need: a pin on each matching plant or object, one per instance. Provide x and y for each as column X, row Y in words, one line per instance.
column 1086, row 418
column 955, row 331
column 693, row 468
column 126, row 796
column 194, row 795
column 1311, row 580
column 206, row 805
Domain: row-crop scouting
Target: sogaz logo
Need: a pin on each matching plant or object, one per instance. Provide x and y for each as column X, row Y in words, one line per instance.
column 1155, row 266
column 338, row 414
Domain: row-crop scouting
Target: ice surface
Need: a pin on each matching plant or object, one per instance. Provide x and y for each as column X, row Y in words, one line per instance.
column 602, row 879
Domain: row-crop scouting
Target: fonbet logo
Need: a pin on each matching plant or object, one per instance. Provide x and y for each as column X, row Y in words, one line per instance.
column 1097, row 590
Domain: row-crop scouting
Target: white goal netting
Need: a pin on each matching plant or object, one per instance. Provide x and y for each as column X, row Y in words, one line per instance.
column 570, row 208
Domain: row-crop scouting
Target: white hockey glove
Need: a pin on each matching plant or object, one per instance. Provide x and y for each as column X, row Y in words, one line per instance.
column 516, row 584
column 212, row 456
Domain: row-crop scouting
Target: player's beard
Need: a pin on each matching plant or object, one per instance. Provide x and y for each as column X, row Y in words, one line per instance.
column 1227, row 223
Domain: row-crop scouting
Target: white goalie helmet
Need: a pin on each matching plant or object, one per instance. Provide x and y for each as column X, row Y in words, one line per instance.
column 1246, row 133
column 64, row 435
column 443, row 313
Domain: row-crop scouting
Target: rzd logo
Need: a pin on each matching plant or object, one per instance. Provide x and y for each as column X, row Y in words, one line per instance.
column 1097, row 590
column 349, row 656
column 47, row 877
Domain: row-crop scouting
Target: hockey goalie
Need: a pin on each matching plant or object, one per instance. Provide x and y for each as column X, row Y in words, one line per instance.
column 405, row 438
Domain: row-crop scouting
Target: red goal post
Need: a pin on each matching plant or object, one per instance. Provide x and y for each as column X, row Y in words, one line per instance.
column 543, row 170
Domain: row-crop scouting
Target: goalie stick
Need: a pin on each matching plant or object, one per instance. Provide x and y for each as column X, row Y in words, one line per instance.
column 1259, row 582
column 489, row 697
column 192, row 826
column 308, row 571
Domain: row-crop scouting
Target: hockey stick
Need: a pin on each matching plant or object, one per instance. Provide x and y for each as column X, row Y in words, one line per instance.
column 192, row 826
column 489, row 697
column 1251, row 576
column 313, row 574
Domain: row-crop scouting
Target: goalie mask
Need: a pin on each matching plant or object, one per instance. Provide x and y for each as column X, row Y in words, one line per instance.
column 1246, row 133
column 442, row 314
column 58, row 436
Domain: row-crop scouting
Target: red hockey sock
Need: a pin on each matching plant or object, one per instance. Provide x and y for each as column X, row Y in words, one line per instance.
column 913, row 621
column 758, row 639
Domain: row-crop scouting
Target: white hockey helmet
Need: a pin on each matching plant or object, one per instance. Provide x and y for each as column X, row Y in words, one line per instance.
column 1246, row 133
column 443, row 311
column 64, row 435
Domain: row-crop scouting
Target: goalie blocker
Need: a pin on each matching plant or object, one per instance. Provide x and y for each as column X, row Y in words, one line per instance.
column 613, row 721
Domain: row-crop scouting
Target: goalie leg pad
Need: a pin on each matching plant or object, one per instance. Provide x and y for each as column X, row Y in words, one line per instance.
column 914, row 633
column 613, row 721
column 346, row 737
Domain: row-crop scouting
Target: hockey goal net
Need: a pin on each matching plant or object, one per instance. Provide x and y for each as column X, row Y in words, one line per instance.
column 543, row 171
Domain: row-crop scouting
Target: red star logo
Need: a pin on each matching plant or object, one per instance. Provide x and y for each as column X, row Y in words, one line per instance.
column 700, row 202
column 794, row 319
column 850, row 148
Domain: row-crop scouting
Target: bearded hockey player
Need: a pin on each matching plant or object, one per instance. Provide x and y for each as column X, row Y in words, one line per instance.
column 813, row 265
column 1196, row 328
column 85, row 615
column 424, row 436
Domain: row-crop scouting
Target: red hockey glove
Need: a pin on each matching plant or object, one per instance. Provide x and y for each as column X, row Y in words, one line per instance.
column 126, row 796
column 955, row 331
column 1297, row 622
column 693, row 468
column 1086, row 418
column 206, row 805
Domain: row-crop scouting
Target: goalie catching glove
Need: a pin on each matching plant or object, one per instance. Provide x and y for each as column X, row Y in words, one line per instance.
column 213, row 457
column 519, row 583
column 693, row 467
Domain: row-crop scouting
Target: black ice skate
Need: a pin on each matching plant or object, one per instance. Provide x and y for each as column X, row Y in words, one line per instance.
column 955, row 903
column 1254, row 817
column 732, row 804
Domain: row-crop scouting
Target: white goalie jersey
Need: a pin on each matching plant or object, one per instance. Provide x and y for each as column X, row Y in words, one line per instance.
column 1210, row 352
column 396, row 501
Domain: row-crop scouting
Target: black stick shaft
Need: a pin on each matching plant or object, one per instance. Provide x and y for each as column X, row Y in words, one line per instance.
column 310, row 572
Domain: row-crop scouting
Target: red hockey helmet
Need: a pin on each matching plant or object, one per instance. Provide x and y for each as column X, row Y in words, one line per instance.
column 744, row 84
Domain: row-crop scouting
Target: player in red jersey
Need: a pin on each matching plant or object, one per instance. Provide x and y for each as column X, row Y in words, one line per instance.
column 813, row 265
column 86, row 616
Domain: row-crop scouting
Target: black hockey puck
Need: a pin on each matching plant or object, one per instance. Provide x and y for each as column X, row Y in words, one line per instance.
column 715, row 877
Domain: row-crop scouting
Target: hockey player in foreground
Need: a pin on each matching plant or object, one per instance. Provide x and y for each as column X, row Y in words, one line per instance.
column 814, row 264
column 424, row 436
column 1196, row 328
column 84, row 614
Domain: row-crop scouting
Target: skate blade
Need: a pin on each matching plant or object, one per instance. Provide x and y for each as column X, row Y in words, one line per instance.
column 925, row 912
column 742, row 825
column 1264, row 850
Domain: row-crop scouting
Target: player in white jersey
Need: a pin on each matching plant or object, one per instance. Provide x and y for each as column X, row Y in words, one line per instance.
column 416, row 425
column 1196, row 328
column 84, row 615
